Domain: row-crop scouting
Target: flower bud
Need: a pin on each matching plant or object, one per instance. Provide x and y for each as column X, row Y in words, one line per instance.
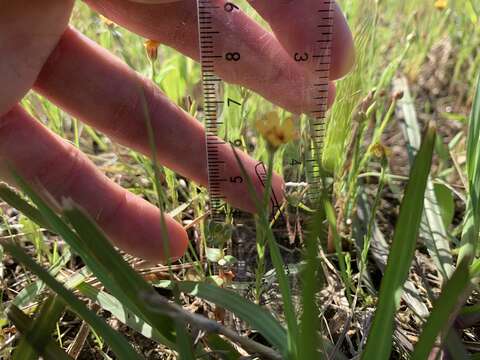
column 151, row 47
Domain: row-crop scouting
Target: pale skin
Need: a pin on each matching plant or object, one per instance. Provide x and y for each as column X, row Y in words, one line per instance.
column 40, row 51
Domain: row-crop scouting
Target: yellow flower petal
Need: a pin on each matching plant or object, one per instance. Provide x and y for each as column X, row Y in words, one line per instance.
column 275, row 132
column 379, row 151
column 441, row 4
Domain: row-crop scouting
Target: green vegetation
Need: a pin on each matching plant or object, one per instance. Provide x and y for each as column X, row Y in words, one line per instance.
column 389, row 266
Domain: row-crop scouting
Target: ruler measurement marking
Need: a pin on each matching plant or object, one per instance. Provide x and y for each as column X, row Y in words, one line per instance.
column 322, row 57
column 209, row 34
column 210, row 83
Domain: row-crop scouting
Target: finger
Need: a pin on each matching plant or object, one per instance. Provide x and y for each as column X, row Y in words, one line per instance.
column 98, row 88
column 131, row 222
column 29, row 30
column 299, row 26
column 154, row 1
column 265, row 67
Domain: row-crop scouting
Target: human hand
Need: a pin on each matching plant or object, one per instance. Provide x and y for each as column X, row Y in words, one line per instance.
column 39, row 51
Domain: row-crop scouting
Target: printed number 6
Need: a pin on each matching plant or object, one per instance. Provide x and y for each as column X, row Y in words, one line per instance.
column 229, row 7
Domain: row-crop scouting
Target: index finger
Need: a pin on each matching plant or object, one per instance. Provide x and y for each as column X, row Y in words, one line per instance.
column 265, row 67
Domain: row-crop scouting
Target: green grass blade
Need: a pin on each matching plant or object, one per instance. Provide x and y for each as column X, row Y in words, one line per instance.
column 23, row 323
column 379, row 342
column 117, row 342
column 117, row 309
column 257, row 317
column 471, row 228
column 123, row 314
column 29, row 293
column 450, row 300
column 332, row 221
column 310, row 320
column 432, row 229
column 379, row 251
column 16, row 201
column 117, row 270
column 103, row 260
column 455, row 346
column 184, row 342
column 285, row 290
column 277, row 261
column 39, row 333
column 185, row 346
column 220, row 346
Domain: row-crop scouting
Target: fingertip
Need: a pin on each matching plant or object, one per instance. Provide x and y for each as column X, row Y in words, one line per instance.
column 138, row 228
column 178, row 239
column 278, row 185
column 343, row 48
column 278, row 189
column 332, row 93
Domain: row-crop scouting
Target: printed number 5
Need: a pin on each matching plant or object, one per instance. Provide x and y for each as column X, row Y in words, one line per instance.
column 236, row 179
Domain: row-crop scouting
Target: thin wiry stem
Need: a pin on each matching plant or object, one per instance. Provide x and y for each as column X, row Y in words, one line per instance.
column 161, row 305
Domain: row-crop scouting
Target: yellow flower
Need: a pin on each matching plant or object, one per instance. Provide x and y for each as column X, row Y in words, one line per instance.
column 441, row 4
column 107, row 21
column 379, row 151
column 151, row 46
column 274, row 131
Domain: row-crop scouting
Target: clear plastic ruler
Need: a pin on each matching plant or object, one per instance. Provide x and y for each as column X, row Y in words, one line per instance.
column 230, row 113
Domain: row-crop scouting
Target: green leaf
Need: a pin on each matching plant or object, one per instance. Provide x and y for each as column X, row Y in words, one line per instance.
column 29, row 293
column 24, row 324
column 38, row 336
column 116, row 341
column 184, row 342
column 117, row 309
column 213, row 254
column 432, row 230
column 127, row 283
column 472, row 218
column 102, row 259
column 222, row 348
column 16, row 201
column 181, row 208
column 275, row 256
column 449, row 302
column 379, row 251
column 310, row 319
column 446, row 203
column 227, row 260
column 257, row 317
column 379, row 342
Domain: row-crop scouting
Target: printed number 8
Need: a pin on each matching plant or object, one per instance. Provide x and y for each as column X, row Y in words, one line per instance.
column 299, row 57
